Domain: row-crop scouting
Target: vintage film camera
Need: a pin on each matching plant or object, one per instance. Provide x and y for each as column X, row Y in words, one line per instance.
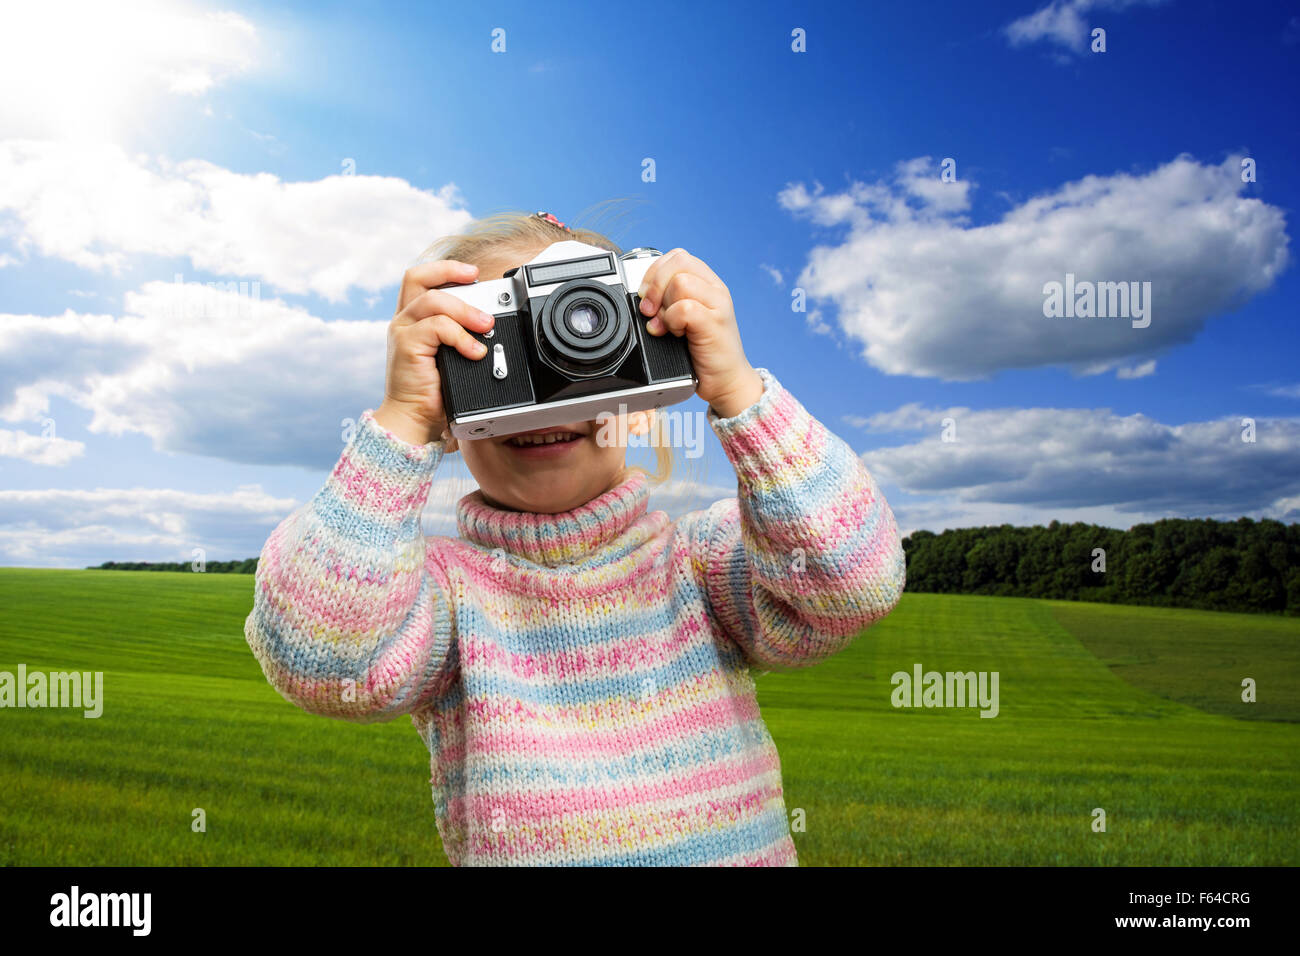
column 569, row 343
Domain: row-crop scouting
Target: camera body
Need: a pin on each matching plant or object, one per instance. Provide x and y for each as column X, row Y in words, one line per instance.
column 569, row 343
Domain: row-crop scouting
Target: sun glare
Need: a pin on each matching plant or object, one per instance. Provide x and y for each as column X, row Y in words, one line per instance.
column 80, row 70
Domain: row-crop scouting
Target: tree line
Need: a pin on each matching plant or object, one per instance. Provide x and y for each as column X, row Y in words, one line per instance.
column 246, row 566
column 1242, row 565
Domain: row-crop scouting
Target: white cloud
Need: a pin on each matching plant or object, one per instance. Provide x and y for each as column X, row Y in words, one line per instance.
column 925, row 294
column 1055, row 462
column 95, row 206
column 82, row 70
column 773, row 272
column 1137, row 371
column 38, row 449
column 254, row 381
column 1284, row 391
column 60, row 528
column 1063, row 24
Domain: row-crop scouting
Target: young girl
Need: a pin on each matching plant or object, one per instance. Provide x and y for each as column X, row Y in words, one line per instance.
column 580, row 668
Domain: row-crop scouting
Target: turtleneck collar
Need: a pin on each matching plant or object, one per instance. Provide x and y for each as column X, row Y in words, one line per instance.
column 570, row 537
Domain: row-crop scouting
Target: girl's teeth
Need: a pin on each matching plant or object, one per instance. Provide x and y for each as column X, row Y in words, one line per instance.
column 548, row 439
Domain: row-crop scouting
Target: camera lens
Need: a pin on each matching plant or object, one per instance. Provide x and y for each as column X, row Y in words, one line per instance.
column 583, row 319
column 582, row 332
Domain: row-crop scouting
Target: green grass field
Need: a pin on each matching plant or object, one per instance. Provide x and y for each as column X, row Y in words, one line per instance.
column 1134, row 710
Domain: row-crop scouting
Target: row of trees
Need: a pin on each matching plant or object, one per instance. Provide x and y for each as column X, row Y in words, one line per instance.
column 1241, row 565
column 246, row 566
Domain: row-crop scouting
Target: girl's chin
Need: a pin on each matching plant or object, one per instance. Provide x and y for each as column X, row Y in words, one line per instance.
column 550, row 494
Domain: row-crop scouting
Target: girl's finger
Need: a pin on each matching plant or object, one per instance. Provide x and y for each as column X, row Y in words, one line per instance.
column 430, row 275
column 699, row 267
column 682, row 287
column 656, row 278
column 452, row 333
column 690, row 285
column 677, row 317
column 436, row 302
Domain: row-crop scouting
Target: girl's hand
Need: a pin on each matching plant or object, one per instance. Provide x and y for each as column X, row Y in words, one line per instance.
column 685, row 297
column 426, row 319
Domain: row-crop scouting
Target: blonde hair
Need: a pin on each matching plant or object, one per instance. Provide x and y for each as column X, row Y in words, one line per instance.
column 523, row 235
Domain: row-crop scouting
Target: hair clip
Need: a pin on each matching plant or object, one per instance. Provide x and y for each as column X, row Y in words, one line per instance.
column 551, row 219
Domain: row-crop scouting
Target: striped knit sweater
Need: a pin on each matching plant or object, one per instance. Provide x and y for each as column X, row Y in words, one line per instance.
column 584, row 681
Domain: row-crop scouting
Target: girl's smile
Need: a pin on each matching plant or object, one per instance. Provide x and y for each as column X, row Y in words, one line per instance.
column 545, row 443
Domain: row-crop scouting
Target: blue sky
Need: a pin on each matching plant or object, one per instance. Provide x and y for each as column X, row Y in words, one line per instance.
column 211, row 141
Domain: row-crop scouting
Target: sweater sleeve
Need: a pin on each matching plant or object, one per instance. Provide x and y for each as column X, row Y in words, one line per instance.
column 348, row 618
column 808, row 554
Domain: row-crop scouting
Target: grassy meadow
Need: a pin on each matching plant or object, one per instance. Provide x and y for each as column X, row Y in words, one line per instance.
column 1136, row 711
